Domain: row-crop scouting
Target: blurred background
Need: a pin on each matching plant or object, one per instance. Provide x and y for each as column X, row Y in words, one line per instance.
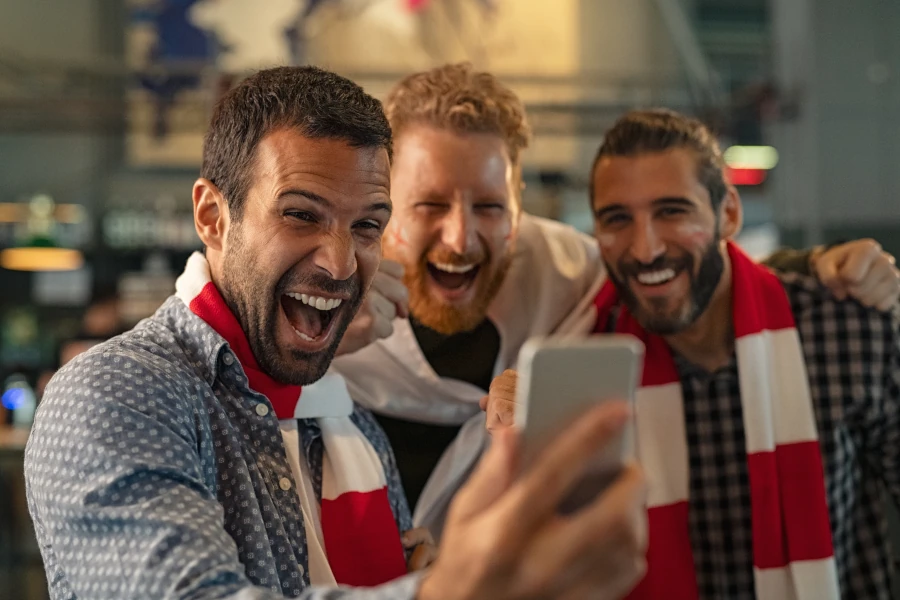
column 103, row 104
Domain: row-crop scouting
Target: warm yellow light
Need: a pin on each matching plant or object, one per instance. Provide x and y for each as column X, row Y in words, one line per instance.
column 751, row 157
column 41, row 259
column 17, row 212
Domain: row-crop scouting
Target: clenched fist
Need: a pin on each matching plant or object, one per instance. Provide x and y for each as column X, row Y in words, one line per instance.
column 386, row 300
column 862, row 270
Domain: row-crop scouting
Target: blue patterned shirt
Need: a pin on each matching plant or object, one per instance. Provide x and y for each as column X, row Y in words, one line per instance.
column 151, row 474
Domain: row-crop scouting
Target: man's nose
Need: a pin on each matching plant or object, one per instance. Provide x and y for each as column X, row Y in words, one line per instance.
column 646, row 245
column 337, row 255
column 458, row 230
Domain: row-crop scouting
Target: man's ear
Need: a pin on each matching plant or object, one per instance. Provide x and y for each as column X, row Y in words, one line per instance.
column 731, row 214
column 211, row 217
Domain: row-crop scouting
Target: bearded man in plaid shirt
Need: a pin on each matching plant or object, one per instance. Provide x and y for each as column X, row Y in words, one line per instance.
column 768, row 417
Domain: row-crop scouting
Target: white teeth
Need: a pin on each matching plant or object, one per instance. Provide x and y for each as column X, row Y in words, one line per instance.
column 656, row 277
column 453, row 268
column 303, row 336
column 316, row 301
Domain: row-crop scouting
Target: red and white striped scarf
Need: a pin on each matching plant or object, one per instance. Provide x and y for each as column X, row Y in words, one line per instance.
column 792, row 549
column 361, row 536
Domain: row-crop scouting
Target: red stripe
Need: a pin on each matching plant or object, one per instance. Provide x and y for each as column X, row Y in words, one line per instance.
column 804, row 501
column 670, row 562
column 769, row 549
column 606, row 299
column 759, row 301
column 361, row 539
column 659, row 368
column 790, row 514
column 210, row 306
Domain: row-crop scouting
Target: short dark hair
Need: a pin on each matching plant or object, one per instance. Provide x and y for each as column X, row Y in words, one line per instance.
column 318, row 103
column 657, row 130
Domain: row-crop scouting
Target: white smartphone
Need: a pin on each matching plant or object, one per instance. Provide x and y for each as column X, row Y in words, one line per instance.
column 558, row 380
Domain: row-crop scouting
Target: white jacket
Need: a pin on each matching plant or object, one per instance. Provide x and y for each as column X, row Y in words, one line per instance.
column 549, row 289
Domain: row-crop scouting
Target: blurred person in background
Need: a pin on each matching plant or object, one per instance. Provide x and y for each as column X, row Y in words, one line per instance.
column 184, row 459
column 769, row 417
column 477, row 277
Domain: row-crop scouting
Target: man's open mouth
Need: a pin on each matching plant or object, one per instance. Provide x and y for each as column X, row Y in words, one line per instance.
column 310, row 316
column 453, row 277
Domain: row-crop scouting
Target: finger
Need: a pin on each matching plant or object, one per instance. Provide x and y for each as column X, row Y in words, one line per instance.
column 601, row 584
column 505, row 384
column 416, row 536
column 395, row 292
column 500, row 413
column 827, row 266
column 391, row 288
column 865, row 292
column 422, row 557
column 491, row 478
column 539, row 491
column 382, row 306
column 402, row 310
column 886, row 293
column 382, row 327
column 607, row 534
column 483, row 403
column 859, row 263
column 392, row 268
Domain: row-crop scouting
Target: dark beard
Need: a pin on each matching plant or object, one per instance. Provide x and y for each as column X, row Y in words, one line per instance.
column 240, row 287
column 703, row 285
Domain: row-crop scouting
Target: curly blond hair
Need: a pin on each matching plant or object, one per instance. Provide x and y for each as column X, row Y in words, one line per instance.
column 458, row 98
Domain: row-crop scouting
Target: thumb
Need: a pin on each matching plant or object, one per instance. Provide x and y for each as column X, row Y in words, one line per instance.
column 491, row 478
column 828, row 269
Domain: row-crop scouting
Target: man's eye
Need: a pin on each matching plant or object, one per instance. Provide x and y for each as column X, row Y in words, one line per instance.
column 670, row 211
column 615, row 219
column 369, row 224
column 302, row 215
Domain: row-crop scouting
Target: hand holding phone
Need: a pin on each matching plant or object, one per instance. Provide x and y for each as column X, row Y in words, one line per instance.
column 559, row 379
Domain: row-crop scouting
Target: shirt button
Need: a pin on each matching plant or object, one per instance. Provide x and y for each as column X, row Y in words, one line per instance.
column 262, row 410
column 228, row 359
column 285, row 483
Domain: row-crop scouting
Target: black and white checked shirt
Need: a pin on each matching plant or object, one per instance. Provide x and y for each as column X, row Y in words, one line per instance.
column 853, row 361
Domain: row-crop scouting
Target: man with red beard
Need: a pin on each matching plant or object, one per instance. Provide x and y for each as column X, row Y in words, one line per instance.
column 768, row 418
column 482, row 277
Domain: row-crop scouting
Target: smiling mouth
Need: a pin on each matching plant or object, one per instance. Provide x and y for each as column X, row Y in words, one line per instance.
column 658, row 277
column 310, row 316
column 453, row 277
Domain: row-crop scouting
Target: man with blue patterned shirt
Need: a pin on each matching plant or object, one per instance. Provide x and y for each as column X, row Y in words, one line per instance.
column 184, row 459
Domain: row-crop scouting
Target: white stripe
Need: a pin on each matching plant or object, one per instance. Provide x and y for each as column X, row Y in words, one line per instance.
column 195, row 276
column 328, row 397
column 661, row 443
column 349, row 463
column 795, row 420
column 800, row 580
column 774, row 390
